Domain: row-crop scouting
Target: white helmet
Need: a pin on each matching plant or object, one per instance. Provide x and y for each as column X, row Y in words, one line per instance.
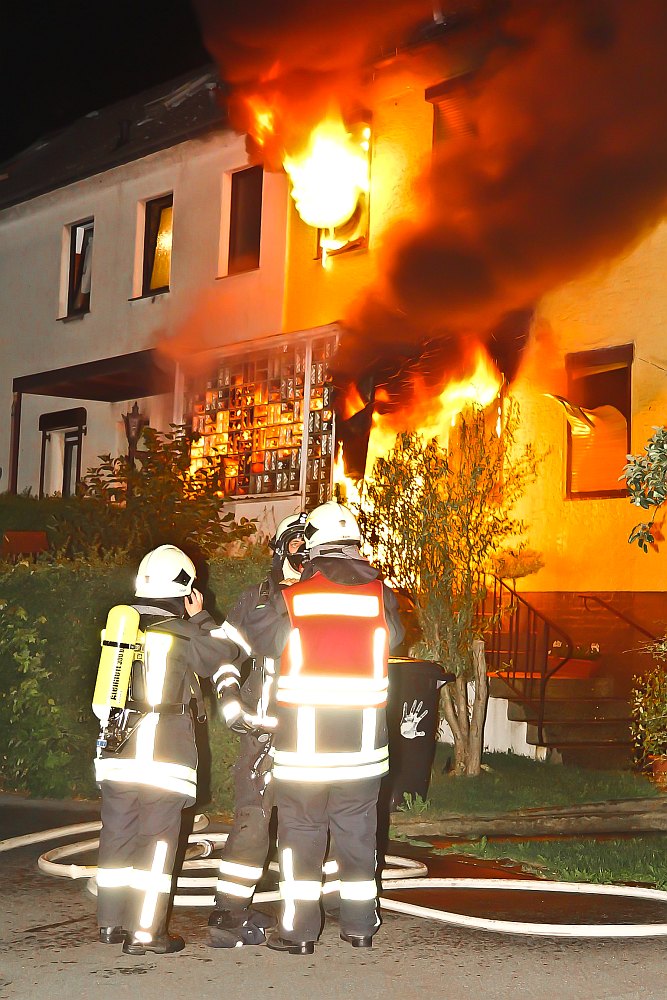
column 289, row 529
column 165, row 572
column 331, row 522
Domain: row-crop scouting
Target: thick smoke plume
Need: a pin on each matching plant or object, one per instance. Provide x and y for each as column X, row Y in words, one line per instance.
column 563, row 164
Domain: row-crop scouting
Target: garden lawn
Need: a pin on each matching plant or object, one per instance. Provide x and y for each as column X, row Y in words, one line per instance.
column 510, row 782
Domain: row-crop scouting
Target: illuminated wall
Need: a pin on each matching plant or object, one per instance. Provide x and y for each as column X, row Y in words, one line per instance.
column 584, row 541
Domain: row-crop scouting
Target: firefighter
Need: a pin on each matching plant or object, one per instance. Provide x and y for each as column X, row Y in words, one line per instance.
column 331, row 740
column 147, row 759
column 233, row 923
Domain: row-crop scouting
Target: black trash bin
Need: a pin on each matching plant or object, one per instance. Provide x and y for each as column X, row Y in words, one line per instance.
column 412, row 718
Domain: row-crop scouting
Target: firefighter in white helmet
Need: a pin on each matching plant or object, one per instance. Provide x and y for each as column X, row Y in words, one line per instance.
column 331, row 740
column 153, row 652
column 233, row 922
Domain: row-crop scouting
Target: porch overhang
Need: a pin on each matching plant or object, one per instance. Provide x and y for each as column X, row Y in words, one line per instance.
column 110, row 380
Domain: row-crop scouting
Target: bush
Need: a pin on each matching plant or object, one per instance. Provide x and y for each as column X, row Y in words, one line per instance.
column 50, row 624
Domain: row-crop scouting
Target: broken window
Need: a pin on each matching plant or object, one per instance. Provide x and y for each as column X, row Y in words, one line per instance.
column 157, row 245
column 599, row 413
column 80, row 268
column 245, row 221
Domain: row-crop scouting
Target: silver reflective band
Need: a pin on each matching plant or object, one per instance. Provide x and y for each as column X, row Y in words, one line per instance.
column 157, row 881
column 231, row 710
column 344, row 605
column 303, row 890
column 358, row 890
column 227, row 682
column 234, row 889
column 241, row 871
column 282, row 772
column 226, row 670
column 156, row 774
column 298, row 759
column 113, row 878
column 157, row 649
column 229, row 631
column 355, row 692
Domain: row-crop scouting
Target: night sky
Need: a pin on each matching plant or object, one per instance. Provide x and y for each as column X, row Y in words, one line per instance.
column 63, row 60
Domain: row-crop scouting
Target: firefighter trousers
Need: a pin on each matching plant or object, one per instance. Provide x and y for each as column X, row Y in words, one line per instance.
column 244, row 854
column 138, row 842
column 307, row 814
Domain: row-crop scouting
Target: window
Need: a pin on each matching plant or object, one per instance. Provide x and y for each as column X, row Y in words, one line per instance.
column 80, row 268
column 157, row 245
column 245, row 220
column 60, row 466
column 267, row 420
column 598, row 411
column 450, row 113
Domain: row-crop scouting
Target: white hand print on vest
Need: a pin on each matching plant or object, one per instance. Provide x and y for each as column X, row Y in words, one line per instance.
column 411, row 719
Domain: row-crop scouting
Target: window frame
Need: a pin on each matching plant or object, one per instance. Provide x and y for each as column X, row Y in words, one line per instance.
column 153, row 209
column 76, row 267
column 578, row 362
column 234, row 259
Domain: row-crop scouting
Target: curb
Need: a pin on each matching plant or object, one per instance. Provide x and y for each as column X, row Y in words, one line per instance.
column 622, row 816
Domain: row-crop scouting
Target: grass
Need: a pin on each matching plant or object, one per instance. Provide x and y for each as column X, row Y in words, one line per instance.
column 631, row 859
column 512, row 782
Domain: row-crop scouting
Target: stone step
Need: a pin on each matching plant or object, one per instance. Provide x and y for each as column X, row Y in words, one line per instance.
column 590, row 732
column 566, row 710
column 602, row 757
column 569, row 688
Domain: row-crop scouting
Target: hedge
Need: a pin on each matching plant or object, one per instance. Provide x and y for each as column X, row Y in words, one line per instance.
column 51, row 616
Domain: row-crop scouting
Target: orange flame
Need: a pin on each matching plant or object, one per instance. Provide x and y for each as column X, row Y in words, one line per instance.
column 437, row 416
column 329, row 175
column 352, row 403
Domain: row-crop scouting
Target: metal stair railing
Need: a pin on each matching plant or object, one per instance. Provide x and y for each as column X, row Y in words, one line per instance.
column 519, row 654
column 618, row 614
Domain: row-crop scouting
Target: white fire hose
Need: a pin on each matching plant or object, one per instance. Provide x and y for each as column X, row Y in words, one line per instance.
column 406, row 874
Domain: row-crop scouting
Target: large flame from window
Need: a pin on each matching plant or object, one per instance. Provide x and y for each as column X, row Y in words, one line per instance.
column 481, row 387
column 330, row 175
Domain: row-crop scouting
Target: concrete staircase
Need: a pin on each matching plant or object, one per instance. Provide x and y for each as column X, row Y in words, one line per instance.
column 586, row 711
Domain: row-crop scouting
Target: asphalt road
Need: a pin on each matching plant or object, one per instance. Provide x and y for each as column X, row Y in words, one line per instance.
column 48, row 949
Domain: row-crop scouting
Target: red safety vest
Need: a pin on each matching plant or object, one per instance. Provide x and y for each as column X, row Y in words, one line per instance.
column 338, row 649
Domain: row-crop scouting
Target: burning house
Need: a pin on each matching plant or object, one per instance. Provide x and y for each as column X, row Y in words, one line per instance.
column 387, row 211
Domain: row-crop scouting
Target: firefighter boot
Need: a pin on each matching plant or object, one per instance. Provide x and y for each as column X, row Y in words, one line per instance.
column 112, row 935
column 357, row 940
column 164, row 944
column 233, row 930
column 277, row 943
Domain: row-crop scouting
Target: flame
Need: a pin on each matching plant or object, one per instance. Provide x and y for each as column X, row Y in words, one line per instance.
column 481, row 387
column 330, row 175
column 353, row 402
column 263, row 118
column 346, row 490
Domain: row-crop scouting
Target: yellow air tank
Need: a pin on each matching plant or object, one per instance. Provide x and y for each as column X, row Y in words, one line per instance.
column 122, row 643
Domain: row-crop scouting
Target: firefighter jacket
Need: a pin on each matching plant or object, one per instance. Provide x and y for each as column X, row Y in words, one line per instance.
column 331, row 690
column 160, row 749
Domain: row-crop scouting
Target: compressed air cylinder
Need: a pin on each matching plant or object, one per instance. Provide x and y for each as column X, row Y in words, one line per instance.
column 120, row 646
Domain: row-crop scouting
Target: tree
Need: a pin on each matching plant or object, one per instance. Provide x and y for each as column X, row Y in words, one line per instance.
column 433, row 516
column 646, row 479
column 134, row 509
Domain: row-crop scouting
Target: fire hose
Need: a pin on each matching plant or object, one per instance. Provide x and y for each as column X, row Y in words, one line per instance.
column 405, row 874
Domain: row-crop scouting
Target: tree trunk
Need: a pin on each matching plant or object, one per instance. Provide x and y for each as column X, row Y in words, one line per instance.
column 467, row 724
column 476, row 736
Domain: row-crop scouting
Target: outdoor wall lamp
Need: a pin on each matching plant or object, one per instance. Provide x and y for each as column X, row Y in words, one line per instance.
column 134, row 424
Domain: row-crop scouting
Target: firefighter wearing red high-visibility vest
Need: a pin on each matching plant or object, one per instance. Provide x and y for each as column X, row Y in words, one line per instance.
column 152, row 653
column 234, row 923
column 331, row 741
